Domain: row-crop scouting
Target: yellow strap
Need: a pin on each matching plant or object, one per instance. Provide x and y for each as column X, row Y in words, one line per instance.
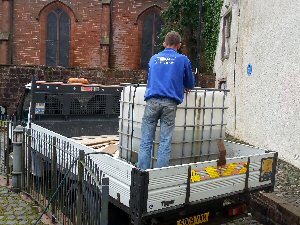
column 244, row 170
column 213, row 173
column 230, row 169
column 195, row 177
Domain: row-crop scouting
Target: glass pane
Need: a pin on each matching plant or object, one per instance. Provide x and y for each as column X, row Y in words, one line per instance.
column 146, row 51
column 158, row 23
column 64, row 40
column 51, row 40
column 58, row 11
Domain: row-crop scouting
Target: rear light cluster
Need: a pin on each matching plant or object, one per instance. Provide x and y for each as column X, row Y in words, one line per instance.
column 236, row 210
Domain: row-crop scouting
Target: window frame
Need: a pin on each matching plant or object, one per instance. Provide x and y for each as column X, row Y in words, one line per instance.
column 139, row 21
column 42, row 18
column 153, row 16
column 58, row 20
column 226, row 34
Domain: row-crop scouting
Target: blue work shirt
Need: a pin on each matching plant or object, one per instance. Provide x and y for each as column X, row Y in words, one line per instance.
column 169, row 74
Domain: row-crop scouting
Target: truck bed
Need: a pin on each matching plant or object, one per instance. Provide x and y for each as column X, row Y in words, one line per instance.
column 151, row 192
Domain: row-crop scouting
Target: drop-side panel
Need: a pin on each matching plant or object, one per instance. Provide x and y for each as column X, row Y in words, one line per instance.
column 256, row 170
column 212, row 181
column 167, row 187
column 118, row 171
column 217, row 187
column 119, row 174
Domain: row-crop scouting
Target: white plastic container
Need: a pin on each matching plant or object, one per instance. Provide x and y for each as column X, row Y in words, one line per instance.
column 199, row 124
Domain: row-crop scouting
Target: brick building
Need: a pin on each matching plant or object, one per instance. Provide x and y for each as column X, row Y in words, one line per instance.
column 79, row 33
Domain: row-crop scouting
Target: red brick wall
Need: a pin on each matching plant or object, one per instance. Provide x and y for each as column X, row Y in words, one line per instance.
column 26, row 32
column 86, row 32
column 90, row 31
column 0, row 15
column 125, row 49
column 5, row 28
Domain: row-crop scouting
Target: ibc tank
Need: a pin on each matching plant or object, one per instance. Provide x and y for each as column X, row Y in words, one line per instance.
column 199, row 124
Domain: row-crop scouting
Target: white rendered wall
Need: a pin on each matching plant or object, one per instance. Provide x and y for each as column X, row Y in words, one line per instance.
column 266, row 35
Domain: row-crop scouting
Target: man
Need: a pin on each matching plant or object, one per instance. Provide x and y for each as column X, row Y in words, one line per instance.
column 170, row 73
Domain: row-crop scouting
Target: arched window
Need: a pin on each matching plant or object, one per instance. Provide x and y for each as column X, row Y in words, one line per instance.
column 151, row 27
column 58, row 38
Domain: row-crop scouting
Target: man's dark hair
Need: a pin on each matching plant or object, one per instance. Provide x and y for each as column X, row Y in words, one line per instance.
column 172, row 38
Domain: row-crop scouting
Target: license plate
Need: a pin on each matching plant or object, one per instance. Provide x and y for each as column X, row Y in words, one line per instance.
column 194, row 220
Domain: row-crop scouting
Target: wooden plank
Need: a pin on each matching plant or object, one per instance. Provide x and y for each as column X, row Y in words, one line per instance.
column 103, row 145
column 96, row 140
column 110, row 149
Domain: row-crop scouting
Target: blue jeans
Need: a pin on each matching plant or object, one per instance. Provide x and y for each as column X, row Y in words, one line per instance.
column 165, row 110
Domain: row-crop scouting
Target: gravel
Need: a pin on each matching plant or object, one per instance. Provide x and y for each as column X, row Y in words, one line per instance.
column 249, row 220
column 288, row 183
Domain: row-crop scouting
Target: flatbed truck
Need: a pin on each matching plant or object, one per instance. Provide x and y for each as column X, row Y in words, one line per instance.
column 188, row 194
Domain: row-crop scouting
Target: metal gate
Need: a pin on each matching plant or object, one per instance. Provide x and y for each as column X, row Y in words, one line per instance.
column 56, row 173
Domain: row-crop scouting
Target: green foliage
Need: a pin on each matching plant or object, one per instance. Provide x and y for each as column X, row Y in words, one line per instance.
column 182, row 16
column 211, row 25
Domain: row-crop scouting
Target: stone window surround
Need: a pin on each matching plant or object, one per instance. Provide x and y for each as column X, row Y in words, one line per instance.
column 43, row 27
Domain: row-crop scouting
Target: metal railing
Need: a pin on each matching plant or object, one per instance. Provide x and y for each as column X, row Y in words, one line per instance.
column 57, row 174
column 6, row 124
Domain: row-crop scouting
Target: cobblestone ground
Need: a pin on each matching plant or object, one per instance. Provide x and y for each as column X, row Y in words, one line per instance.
column 14, row 210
